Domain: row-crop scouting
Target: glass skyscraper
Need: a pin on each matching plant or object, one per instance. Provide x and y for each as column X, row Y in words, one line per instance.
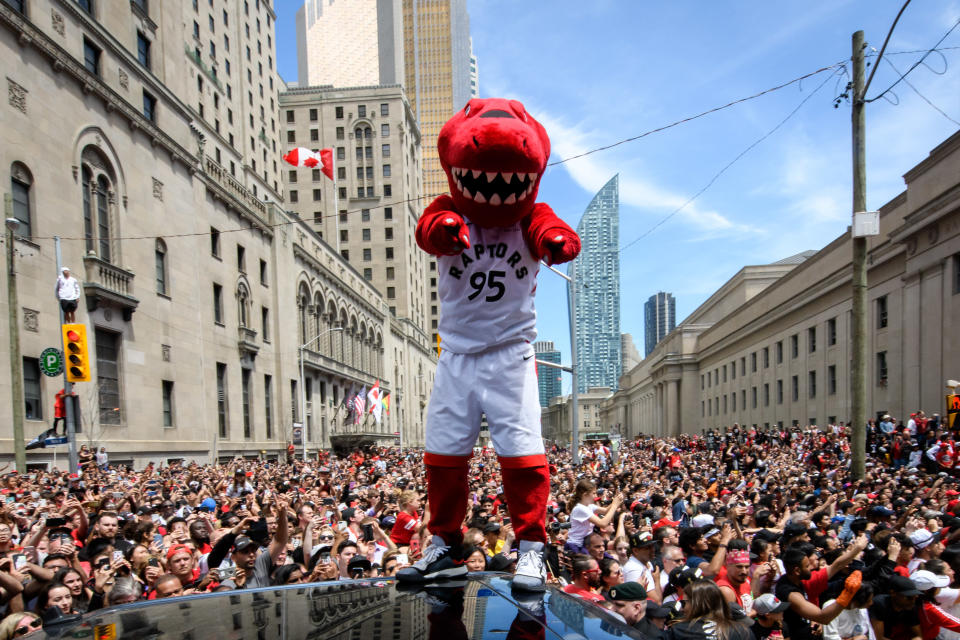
column 548, row 378
column 596, row 278
column 660, row 318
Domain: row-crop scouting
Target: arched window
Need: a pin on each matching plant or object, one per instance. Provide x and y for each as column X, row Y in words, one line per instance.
column 368, row 133
column 358, row 133
column 20, row 183
column 98, row 198
column 303, row 301
column 161, row 264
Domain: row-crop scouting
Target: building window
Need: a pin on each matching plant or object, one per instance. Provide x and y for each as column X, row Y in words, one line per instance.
column 388, row 213
column 956, row 273
column 385, row 150
column 143, row 49
column 386, row 171
column 733, row 402
column 33, row 405
column 387, row 190
column 263, row 274
column 766, row 357
column 795, row 382
column 743, row 366
column 882, row 368
column 217, row 303
column 365, row 235
column 362, row 111
column 96, row 213
column 384, row 109
column 317, row 193
column 149, row 107
column 794, row 345
column 294, row 196
column 384, row 130
column 367, row 274
column 831, row 332
column 391, row 292
column 86, row 5
column 345, row 254
column 743, row 399
column 882, row 312
column 388, row 233
column 339, row 113
column 812, row 339
column 214, row 242
column 268, row 404
column 108, row 376
column 291, row 136
column 780, row 352
column 812, row 384
column 167, row 402
column 143, row 5
column 779, row 391
column 344, row 235
column 753, row 362
column 313, row 115
column 20, row 183
column 290, row 115
column 160, row 253
column 241, row 259
column 245, row 399
column 766, row 394
column 832, row 379
column 91, row 57
column 367, row 254
column 753, row 395
column 222, row 399
column 314, row 135
column 391, row 273
column 365, row 217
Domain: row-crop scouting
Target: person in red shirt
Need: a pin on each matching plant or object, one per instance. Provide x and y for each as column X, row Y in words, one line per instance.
column 586, row 579
column 735, row 584
column 408, row 519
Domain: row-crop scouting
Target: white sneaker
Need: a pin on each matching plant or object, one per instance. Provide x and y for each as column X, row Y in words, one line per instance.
column 436, row 563
column 531, row 573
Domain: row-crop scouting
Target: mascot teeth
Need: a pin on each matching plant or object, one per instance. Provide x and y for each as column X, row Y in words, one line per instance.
column 495, row 199
column 479, row 198
column 510, row 199
column 476, row 173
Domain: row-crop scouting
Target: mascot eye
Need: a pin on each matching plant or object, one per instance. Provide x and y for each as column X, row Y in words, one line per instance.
column 466, row 109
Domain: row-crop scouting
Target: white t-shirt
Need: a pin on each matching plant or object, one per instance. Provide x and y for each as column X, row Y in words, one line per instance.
column 850, row 622
column 636, row 571
column 947, row 599
column 580, row 525
column 486, row 291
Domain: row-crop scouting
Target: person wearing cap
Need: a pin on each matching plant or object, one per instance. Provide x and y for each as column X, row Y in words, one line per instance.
column 932, row 617
column 255, row 565
column 768, row 618
column 895, row 615
column 927, row 546
column 693, row 541
column 68, row 294
column 627, row 602
column 182, row 564
column 735, row 585
column 639, row 567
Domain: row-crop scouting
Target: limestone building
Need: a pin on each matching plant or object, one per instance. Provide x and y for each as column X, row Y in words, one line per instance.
column 198, row 287
column 556, row 418
column 772, row 345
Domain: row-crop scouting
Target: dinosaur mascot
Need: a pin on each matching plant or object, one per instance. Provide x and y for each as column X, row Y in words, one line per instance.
column 488, row 235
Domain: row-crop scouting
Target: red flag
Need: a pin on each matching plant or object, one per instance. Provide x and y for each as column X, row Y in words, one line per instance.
column 326, row 156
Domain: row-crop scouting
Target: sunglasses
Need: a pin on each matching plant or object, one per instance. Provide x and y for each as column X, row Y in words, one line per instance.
column 326, row 537
column 31, row 626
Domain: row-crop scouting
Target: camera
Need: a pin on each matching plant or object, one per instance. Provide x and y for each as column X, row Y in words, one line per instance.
column 557, row 527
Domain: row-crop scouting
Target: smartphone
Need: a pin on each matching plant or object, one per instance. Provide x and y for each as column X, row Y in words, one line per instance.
column 227, row 573
column 341, row 525
column 56, row 522
column 42, row 502
column 402, row 558
column 368, row 533
column 324, row 558
column 153, row 562
column 117, row 555
column 157, row 538
column 19, row 561
column 117, row 495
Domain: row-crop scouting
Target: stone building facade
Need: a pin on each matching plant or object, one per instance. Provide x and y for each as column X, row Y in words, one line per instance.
column 198, row 287
column 772, row 346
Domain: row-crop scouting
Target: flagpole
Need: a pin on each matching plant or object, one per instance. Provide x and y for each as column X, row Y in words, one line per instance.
column 336, row 203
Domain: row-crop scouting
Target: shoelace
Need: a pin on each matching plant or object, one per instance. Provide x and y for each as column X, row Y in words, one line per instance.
column 430, row 554
column 533, row 557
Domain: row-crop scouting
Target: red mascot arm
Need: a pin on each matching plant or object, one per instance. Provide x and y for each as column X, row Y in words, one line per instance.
column 441, row 231
column 550, row 238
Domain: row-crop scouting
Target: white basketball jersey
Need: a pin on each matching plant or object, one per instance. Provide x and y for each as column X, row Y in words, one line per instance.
column 486, row 292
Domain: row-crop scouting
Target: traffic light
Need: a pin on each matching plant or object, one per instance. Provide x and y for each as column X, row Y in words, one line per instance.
column 76, row 359
column 953, row 409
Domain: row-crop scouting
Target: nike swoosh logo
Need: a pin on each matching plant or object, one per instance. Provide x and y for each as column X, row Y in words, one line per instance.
column 528, row 357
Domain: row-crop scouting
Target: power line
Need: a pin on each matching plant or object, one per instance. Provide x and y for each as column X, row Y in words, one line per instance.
column 882, row 49
column 699, row 115
column 914, row 66
column 923, row 97
column 728, row 165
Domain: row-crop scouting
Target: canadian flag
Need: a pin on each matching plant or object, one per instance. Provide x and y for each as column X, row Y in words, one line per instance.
column 301, row 157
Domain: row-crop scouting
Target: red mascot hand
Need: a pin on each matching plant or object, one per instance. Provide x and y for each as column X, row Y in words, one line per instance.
column 448, row 234
column 559, row 247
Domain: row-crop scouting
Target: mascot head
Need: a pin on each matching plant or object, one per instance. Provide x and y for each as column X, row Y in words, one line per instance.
column 494, row 154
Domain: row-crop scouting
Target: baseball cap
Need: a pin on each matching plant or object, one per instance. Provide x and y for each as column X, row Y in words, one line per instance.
column 926, row 580
column 769, row 603
column 657, row 610
column 491, row 527
column 387, row 521
column 701, row 520
column 178, row 548
column 767, row 535
column 144, row 510
column 710, row 531
column 682, row 576
column 903, row 586
column 242, row 542
column 665, row 522
column 642, row 539
column 793, row 530
column 627, row 592
column 64, row 268
column 358, row 562
column 881, row 511
column 922, row 538
column 208, row 504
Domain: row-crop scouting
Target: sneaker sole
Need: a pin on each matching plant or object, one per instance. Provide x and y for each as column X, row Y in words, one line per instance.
column 443, row 574
column 538, row 587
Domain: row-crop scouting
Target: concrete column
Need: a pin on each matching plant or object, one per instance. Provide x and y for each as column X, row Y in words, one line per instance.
column 910, row 346
column 931, row 376
column 673, row 408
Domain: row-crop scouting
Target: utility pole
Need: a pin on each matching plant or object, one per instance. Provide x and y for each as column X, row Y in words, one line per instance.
column 858, row 366
column 68, row 397
column 13, row 324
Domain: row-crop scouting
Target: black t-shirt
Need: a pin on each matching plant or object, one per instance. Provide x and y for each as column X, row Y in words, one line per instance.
column 800, row 628
column 762, row 633
column 897, row 624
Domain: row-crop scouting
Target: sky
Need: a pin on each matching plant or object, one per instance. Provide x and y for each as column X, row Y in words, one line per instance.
column 598, row 72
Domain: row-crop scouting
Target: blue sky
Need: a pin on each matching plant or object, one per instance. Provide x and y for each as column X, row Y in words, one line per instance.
column 600, row 71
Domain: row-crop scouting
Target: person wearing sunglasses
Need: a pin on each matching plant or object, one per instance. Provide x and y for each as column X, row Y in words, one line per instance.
column 20, row 624
column 586, row 579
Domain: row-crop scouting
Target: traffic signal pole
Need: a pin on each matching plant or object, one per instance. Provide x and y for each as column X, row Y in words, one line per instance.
column 13, row 322
column 67, row 386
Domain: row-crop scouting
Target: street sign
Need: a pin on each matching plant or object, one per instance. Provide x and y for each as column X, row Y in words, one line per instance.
column 51, row 362
column 297, row 434
column 49, row 442
column 953, row 409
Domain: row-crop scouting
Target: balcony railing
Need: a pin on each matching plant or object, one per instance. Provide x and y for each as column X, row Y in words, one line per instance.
column 232, row 186
column 247, row 341
column 108, row 284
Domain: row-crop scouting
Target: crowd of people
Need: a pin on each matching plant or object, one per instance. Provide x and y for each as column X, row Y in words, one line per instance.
column 717, row 536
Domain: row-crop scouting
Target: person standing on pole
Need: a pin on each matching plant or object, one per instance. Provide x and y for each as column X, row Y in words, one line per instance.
column 68, row 293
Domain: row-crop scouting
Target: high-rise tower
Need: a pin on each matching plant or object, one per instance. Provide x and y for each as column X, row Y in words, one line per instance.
column 660, row 318
column 548, row 378
column 596, row 278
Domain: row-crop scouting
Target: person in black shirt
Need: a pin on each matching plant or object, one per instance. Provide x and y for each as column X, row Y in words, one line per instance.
column 802, row 612
column 770, row 610
column 895, row 616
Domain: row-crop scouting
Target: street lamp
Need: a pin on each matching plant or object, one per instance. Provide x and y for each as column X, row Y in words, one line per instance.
column 303, row 392
column 16, row 363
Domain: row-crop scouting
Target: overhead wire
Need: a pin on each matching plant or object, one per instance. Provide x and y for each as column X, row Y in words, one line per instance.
column 717, row 175
column 912, row 67
column 923, row 97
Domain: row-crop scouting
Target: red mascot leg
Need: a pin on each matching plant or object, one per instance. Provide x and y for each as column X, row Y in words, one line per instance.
column 447, row 491
column 526, row 485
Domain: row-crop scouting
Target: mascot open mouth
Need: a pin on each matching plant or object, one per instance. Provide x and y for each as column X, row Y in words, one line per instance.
column 494, row 187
